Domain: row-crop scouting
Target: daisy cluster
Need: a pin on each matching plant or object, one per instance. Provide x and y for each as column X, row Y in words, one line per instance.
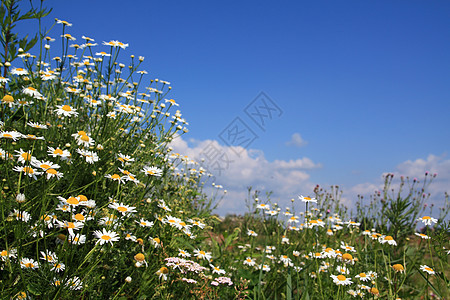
column 87, row 169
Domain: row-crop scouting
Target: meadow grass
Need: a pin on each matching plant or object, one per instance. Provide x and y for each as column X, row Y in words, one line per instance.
column 96, row 205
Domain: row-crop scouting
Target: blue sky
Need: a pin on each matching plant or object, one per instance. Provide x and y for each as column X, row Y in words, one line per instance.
column 364, row 84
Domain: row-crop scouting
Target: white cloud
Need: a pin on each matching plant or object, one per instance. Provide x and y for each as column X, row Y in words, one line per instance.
column 296, row 140
column 286, row 179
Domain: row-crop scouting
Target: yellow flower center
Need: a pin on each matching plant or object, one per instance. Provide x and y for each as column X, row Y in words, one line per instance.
column 362, row 275
column 58, row 152
column 347, row 256
column 45, row 166
column 157, row 240
column 398, row 267
column 28, row 170
column 106, row 237
column 139, row 257
column 389, row 238
column 66, row 108
column 26, row 156
column 115, row 177
column 82, row 198
column 73, row 201
column 426, row 218
column 29, row 265
column 84, row 138
column 122, row 209
column 79, row 217
column 4, row 253
column 341, row 278
column 8, row 99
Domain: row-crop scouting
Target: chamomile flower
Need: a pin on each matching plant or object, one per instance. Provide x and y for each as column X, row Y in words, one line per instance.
column 423, row 236
column 27, row 171
column 363, row 277
column 90, row 156
column 140, row 260
column 122, row 208
column 152, row 171
column 183, row 253
column 57, row 152
column 202, row 254
column 106, row 236
column 58, row 267
column 217, row 270
column 144, row 223
column 65, row 111
column 31, row 91
column 49, row 256
column 388, row 239
column 8, row 254
column 162, row 272
column 77, row 239
column 19, row 71
column 427, row 269
column 251, row 232
column 24, row 157
column 263, row 206
column 21, row 215
column 307, row 199
column 427, row 220
column 249, row 262
column 398, row 268
column 341, row 280
column 13, row 135
column 115, row 177
column 28, row 263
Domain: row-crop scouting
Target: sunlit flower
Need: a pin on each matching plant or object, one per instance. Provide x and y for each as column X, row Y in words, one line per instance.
column 341, row 280
column 74, row 283
column 427, row 220
column 427, row 269
column 122, row 208
column 37, row 125
column 65, row 110
column 183, row 253
column 251, row 233
column 424, row 236
column 58, row 267
column 140, row 260
column 249, row 262
column 21, row 215
column 387, row 239
column 106, row 236
column 115, row 44
column 90, row 156
column 27, row 171
column 115, row 177
column 8, row 100
column 8, row 254
column 398, row 268
column 363, row 277
column 77, row 239
column 217, row 270
column 163, row 273
column 57, row 152
column 31, row 91
column 202, row 254
column 63, row 22
column 307, row 199
column 263, row 206
column 24, row 157
column 19, row 71
column 144, row 223
column 14, row 135
column 28, row 263
column 152, row 171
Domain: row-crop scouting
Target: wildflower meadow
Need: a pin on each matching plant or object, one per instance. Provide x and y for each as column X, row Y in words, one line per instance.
column 95, row 204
